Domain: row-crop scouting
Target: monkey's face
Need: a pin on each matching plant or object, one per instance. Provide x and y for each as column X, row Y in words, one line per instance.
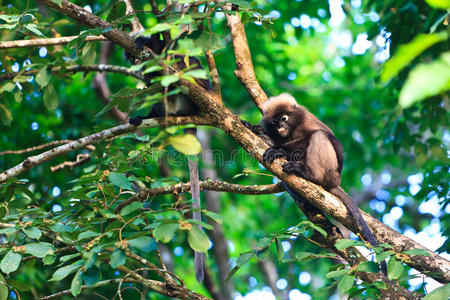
column 278, row 127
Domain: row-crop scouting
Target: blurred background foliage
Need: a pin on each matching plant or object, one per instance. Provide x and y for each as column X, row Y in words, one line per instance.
column 329, row 55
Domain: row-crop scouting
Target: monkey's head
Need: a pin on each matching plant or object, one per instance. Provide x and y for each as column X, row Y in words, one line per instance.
column 281, row 115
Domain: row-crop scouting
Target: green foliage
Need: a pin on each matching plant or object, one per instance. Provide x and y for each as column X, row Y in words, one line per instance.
column 426, row 80
column 406, row 53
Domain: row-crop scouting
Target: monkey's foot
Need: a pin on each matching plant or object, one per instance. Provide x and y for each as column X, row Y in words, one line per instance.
column 294, row 167
column 135, row 121
column 273, row 153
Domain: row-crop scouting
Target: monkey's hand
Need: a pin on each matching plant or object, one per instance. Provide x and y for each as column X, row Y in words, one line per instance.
column 294, row 167
column 259, row 131
column 273, row 153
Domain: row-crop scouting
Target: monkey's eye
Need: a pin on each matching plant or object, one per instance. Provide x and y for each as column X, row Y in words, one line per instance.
column 284, row 118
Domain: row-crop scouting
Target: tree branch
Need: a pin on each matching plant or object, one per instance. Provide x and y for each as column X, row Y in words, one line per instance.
column 163, row 288
column 244, row 66
column 85, row 287
column 33, row 161
column 84, row 17
column 47, row 42
column 211, row 185
column 81, row 68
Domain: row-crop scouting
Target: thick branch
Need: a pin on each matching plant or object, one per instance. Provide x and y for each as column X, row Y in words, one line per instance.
column 244, row 66
column 32, row 161
column 84, row 17
column 163, row 288
column 211, row 185
column 47, row 42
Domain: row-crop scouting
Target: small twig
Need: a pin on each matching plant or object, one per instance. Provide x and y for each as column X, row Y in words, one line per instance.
column 85, row 287
column 213, row 71
column 31, row 149
column 81, row 68
column 81, row 158
column 47, row 42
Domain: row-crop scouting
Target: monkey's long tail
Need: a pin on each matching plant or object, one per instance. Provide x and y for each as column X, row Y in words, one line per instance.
column 360, row 222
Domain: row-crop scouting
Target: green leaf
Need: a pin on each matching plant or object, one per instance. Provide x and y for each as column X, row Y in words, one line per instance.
column 186, row 144
column 346, row 283
column 406, row 53
column 43, row 77
column 69, row 257
column 144, row 243
column 131, row 208
column 264, row 243
column 426, row 80
column 59, row 2
column 304, row 256
column 10, row 262
column 5, row 115
column 25, row 19
column 215, row 216
column 87, row 234
column 200, row 223
column 280, row 251
column 40, row 249
column 89, row 54
column 50, row 97
column 117, row 258
column 198, row 240
column 244, row 258
column 120, row 180
column 158, row 28
column 197, row 73
column 3, row 288
column 394, row 268
column 417, row 252
column 117, row 11
column 33, row 28
column 8, row 230
column 242, row 3
column 345, row 243
column 63, row 272
column 60, row 227
column 33, row 232
column 383, row 255
column 165, row 232
column 169, row 79
column 75, row 287
column 49, row 259
column 368, row 266
column 337, row 273
column 442, row 4
column 89, row 259
column 440, row 293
